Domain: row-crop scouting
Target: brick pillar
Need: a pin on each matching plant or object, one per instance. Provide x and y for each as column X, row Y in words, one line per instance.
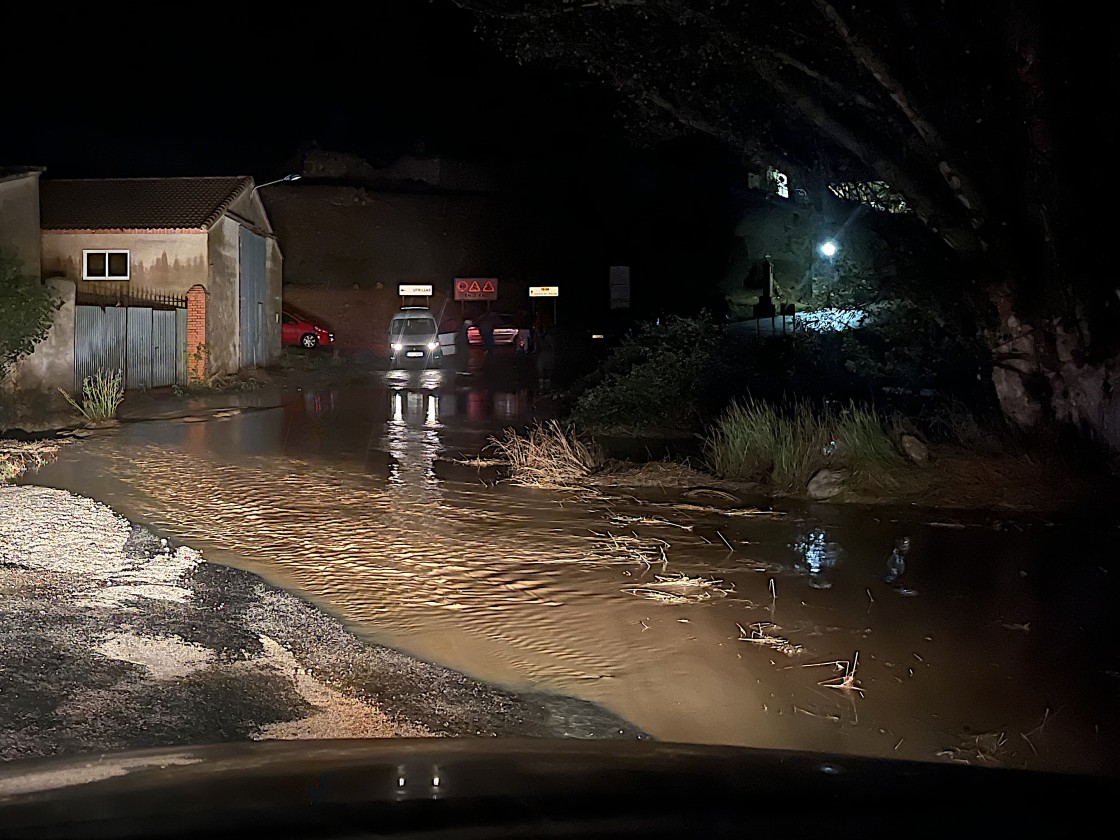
column 197, row 350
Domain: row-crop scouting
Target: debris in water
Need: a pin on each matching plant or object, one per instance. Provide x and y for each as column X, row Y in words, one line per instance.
column 761, row 635
column 848, row 681
column 621, row 520
column 709, row 493
column 679, row 589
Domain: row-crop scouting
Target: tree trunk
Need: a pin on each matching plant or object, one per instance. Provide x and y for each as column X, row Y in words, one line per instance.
column 1043, row 374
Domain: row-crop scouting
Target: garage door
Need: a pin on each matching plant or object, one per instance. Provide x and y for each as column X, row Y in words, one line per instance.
column 253, row 294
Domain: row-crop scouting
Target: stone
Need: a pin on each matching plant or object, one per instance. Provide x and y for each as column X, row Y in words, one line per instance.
column 914, row 449
column 827, row 483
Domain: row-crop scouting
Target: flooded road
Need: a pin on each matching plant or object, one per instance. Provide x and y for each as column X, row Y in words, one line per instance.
column 977, row 639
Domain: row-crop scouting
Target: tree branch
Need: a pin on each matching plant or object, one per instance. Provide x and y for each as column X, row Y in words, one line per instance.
column 925, row 206
column 960, row 185
column 535, row 13
column 832, row 84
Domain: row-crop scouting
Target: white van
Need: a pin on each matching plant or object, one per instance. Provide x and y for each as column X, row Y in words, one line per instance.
column 414, row 337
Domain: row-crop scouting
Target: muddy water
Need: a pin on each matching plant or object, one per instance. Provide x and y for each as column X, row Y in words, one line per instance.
column 981, row 640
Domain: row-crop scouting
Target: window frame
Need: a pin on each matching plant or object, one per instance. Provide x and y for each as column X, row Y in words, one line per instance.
column 106, row 252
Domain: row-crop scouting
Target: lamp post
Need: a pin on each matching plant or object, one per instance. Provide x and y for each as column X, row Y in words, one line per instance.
column 291, row 177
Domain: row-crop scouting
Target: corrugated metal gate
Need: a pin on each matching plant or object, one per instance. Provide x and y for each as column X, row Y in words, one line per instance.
column 252, row 297
column 149, row 346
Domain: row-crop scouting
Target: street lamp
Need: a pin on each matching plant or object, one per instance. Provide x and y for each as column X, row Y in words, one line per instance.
column 292, row 177
column 828, row 249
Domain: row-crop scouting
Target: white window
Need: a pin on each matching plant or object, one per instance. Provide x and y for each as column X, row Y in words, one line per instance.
column 105, row 265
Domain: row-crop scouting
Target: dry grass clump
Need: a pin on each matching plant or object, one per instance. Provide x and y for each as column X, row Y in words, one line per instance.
column 762, row 634
column 681, row 589
column 548, row 455
column 17, row 457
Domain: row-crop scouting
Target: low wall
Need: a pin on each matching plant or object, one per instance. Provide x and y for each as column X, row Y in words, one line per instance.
column 51, row 364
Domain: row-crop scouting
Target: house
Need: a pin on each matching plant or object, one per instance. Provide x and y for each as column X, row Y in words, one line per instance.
column 203, row 242
column 19, row 213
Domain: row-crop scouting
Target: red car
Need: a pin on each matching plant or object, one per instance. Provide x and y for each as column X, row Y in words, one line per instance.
column 504, row 331
column 299, row 332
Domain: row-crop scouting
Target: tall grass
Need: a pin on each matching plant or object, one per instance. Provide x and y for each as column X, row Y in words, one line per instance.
column 101, row 396
column 549, row 455
column 786, row 445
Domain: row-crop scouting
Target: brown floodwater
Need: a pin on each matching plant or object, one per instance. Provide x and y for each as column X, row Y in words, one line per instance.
column 978, row 638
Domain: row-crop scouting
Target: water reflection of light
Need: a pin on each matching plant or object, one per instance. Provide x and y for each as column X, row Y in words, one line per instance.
column 412, row 438
column 818, row 558
column 448, row 405
column 478, row 404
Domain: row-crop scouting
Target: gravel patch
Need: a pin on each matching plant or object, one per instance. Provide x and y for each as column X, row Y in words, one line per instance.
column 112, row 639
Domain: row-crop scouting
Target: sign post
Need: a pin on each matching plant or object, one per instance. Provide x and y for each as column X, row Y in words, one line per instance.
column 414, row 290
column 545, row 292
column 620, row 287
column 476, row 288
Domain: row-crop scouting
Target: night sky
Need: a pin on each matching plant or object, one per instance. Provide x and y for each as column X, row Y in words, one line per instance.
column 224, row 95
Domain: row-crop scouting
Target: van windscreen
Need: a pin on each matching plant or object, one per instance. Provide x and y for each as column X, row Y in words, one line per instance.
column 413, row 326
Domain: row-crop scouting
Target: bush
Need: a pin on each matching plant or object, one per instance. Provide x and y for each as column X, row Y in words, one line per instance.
column 27, row 309
column 755, row 440
column 101, row 395
column 657, row 379
column 548, row 456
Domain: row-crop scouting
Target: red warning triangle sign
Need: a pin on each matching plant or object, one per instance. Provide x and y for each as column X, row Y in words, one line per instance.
column 488, row 286
column 475, row 287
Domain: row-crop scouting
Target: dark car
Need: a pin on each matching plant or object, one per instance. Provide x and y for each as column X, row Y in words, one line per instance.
column 297, row 331
column 504, row 330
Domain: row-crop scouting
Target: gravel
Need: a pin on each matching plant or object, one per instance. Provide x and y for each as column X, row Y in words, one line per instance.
column 112, row 639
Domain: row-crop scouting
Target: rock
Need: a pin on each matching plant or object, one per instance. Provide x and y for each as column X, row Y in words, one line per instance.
column 914, row 449
column 827, row 483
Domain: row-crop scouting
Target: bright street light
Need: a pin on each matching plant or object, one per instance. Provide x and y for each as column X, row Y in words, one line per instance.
column 292, row 177
column 828, row 249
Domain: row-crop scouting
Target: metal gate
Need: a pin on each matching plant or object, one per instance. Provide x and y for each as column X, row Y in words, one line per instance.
column 148, row 346
column 252, row 297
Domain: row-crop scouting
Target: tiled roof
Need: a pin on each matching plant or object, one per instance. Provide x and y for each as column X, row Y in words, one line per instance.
column 136, row 203
column 10, row 172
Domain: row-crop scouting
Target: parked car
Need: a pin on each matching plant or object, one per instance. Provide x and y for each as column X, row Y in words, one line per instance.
column 414, row 337
column 504, row 330
column 297, row 331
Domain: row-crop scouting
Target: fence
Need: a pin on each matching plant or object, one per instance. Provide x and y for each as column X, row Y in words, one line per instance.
column 129, row 297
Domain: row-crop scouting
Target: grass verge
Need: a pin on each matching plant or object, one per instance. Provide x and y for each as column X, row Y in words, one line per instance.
column 786, row 445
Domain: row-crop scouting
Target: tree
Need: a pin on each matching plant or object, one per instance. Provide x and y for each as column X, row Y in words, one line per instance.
column 977, row 118
column 27, row 309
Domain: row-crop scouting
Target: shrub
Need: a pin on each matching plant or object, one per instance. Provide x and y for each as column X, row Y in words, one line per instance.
column 548, row 456
column 27, row 309
column 756, row 440
column 101, row 395
column 658, row 378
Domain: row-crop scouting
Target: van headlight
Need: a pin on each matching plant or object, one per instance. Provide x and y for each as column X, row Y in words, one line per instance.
column 433, row 345
column 397, row 346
